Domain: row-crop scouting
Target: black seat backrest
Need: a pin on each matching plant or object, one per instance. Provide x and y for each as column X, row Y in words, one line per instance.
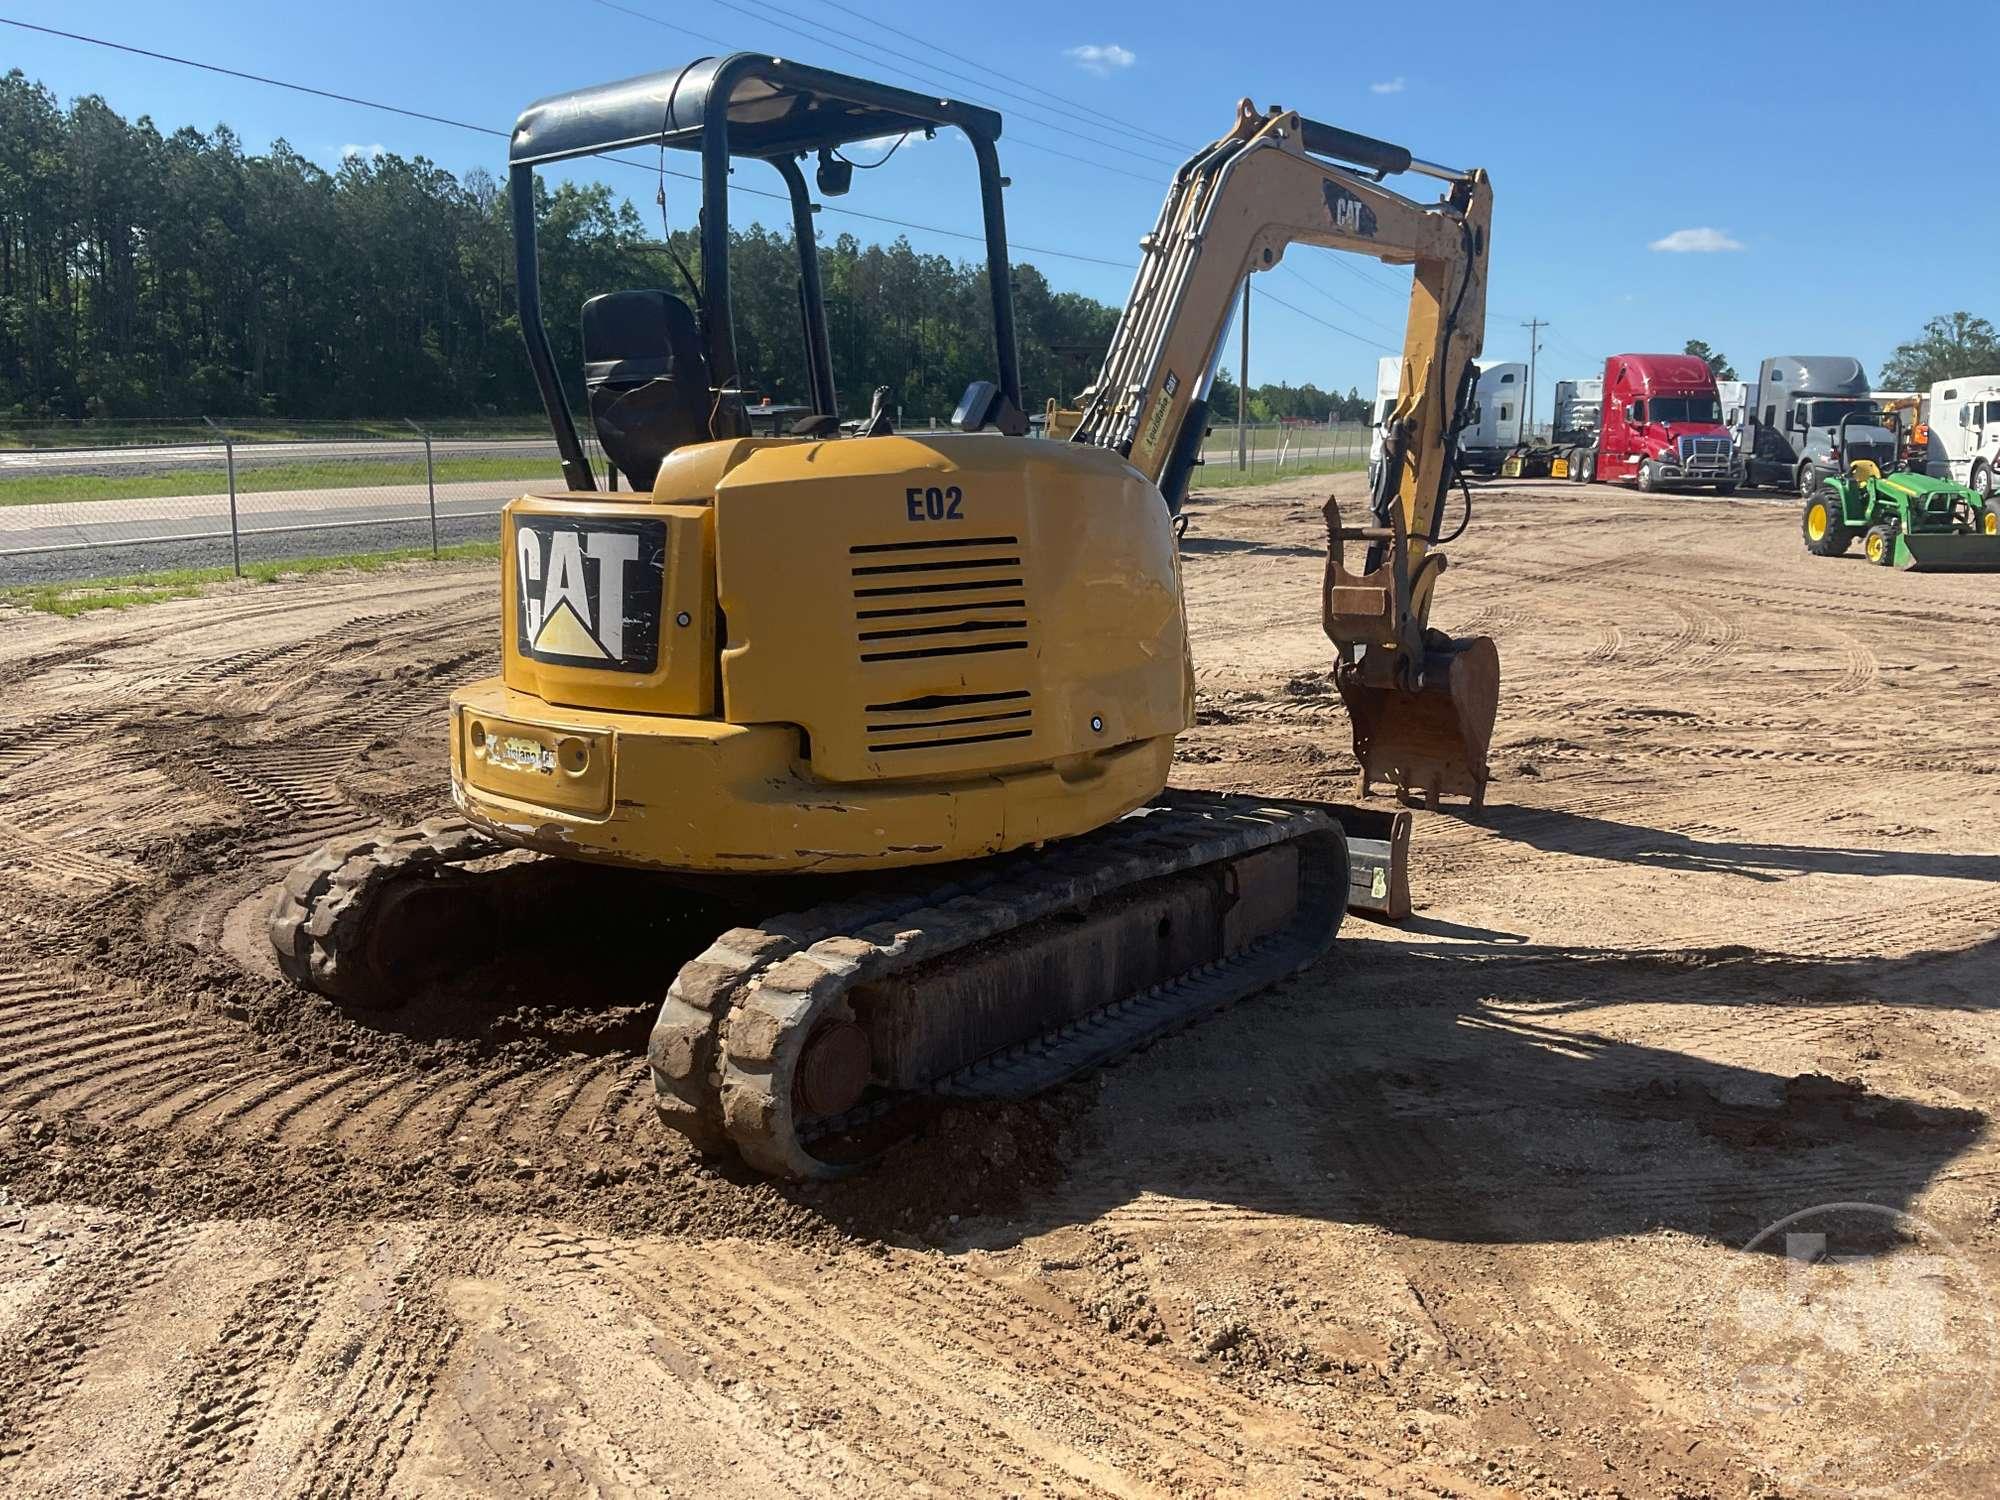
column 647, row 378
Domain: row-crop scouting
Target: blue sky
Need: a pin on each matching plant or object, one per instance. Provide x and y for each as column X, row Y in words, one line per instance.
column 1844, row 219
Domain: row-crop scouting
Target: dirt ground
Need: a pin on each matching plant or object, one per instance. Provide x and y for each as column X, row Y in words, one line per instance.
column 1462, row 1211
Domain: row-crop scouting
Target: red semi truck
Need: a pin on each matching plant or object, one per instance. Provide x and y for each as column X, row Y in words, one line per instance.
column 1662, row 426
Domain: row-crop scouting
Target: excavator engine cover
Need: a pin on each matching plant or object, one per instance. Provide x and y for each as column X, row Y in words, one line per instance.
column 1432, row 740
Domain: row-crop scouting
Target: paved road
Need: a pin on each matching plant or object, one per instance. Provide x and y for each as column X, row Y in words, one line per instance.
column 18, row 462
column 91, row 538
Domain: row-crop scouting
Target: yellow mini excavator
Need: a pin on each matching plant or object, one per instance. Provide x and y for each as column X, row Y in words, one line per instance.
column 895, row 710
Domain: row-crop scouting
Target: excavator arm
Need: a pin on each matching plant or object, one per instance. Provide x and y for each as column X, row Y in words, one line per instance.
column 1422, row 704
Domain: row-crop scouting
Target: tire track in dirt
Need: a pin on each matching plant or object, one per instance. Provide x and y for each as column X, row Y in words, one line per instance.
column 45, row 1355
column 1591, row 1083
column 219, row 1409
column 965, row 1385
column 384, row 1393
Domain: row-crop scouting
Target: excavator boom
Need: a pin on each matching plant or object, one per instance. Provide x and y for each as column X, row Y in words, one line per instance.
column 1422, row 705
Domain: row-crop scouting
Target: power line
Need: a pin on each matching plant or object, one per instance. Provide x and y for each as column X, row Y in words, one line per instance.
column 1569, row 348
column 649, row 168
column 1311, row 318
column 1061, row 99
column 1061, row 107
column 276, row 83
column 767, row 17
column 1316, row 287
column 1346, row 264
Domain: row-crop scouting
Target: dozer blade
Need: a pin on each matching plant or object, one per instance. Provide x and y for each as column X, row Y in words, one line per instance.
column 1433, row 741
column 1947, row 552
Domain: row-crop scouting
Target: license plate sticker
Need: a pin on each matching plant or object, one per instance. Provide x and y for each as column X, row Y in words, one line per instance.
column 519, row 753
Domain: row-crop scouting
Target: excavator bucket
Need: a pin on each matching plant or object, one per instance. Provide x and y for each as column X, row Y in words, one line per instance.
column 1426, row 731
column 1433, row 740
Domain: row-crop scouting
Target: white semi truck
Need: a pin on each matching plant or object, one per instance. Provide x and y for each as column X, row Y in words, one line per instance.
column 1739, row 412
column 1495, row 424
column 1964, row 420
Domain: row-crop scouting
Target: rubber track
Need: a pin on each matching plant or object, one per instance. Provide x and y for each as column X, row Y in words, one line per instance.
column 738, row 1016
column 319, row 923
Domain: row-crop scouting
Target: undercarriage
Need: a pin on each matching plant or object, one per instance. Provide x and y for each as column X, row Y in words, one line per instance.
column 806, row 1038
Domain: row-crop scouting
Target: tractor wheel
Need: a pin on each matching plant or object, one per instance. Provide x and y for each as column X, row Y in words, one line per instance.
column 1824, row 533
column 1879, row 546
column 1584, row 469
column 1649, row 477
column 1984, row 481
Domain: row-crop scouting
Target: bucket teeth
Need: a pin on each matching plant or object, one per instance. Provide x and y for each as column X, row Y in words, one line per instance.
column 1431, row 741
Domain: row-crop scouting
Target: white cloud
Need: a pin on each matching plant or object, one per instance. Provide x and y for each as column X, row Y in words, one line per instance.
column 874, row 145
column 351, row 150
column 1101, row 60
column 1393, row 86
column 1702, row 241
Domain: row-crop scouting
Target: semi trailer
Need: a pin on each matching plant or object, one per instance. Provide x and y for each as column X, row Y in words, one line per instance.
column 1579, row 412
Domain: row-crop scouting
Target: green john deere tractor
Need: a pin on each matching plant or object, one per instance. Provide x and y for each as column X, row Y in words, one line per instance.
column 1904, row 519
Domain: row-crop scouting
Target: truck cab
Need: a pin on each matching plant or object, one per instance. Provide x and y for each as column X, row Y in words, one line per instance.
column 1801, row 401
column 1494, row 427
column 1965, row 432
column 1579, row 411
column 1662, row 425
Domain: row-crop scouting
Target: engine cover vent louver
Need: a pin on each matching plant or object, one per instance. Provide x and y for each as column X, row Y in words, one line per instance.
column 954, row 597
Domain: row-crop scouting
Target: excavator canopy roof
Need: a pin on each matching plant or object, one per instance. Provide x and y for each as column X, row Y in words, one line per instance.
column 768, row 106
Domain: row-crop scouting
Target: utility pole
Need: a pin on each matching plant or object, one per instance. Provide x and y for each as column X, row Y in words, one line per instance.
column 1534, row 327
column 1243, row 384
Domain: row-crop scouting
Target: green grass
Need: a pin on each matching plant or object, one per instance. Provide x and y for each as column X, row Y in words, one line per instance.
column 114, row 432
column 259, row 479
column 80, row 596
column 1220, row 476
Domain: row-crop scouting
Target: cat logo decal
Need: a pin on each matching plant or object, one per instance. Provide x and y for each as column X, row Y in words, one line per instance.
column 1349, row 214
column 589, row 592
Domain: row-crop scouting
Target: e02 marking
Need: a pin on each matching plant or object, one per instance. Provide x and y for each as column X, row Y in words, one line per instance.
column 931, row 503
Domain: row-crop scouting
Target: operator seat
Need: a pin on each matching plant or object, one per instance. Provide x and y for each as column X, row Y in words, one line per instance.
column 647, row 377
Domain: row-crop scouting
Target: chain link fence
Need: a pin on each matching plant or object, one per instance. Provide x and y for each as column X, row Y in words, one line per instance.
column 1276, row 447
column 91, row 499
column 80, row 500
